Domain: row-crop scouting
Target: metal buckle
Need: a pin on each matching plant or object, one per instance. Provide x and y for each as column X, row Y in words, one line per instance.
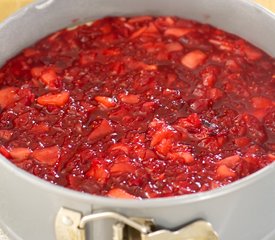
column 70, row 225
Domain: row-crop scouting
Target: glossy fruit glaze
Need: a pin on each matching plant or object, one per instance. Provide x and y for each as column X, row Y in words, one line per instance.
column 140, row 107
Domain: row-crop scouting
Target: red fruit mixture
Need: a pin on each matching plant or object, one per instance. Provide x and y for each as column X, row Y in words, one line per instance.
column 141, row 107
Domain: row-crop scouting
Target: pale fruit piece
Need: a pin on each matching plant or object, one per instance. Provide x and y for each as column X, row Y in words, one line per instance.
column 193, row 59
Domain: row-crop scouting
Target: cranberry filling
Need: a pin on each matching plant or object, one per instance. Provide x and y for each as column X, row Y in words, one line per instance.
column 140, row 107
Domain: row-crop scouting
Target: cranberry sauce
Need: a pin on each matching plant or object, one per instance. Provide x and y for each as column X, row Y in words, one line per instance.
column 140, row 107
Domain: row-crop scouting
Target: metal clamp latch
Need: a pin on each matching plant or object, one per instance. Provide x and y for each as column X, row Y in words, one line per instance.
column 70, row 225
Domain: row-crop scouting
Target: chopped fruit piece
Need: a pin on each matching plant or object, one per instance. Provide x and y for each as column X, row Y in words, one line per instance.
column 120, row 193
column 122, row 167
column 225, row 172
column 46, row 74
column 177, row 32
column 59, row 99
column 30, row 52
column 192, row 121
column 209, row 76
column 174, row 47
column 252, row 53
column 164, row 147
column 111, row 52
column 214, row 93
column 40, row 128
column 231, row 161
column 151, row 28
column 138, row 33
column 151, row 47
column 222, row 45
column 259, row 113
column 121, row 147
column 169, row 21
column 104, row 129
column 165, row 21
column 261, row 102
column 37, row 71
column 48, row 156
column 232, row 65
column 139, row 19
column 139, row 107
column 271, row 156
column 20, row 154
column 160, row 135
column 8, row 96
column 182, row 156
column 200, row 105
column 130, row 98
column 242, row 141
column 4, row 152
column 171, row 78
column 106, row 101
column 150, row 67
column 193, row 59
column 143, row 66
column 49, row 77
column 99, row 172
column 6, row 134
